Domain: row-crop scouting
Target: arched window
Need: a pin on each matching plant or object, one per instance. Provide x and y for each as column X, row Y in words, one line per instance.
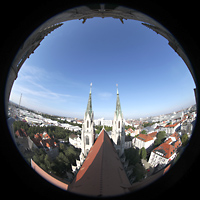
column 87, row 124
column 118, row 124
column 87, row 140
column 118, row 140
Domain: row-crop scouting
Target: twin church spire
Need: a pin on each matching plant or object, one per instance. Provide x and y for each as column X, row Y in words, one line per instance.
column 88, row 130
column 118, row 106
column 89, row 105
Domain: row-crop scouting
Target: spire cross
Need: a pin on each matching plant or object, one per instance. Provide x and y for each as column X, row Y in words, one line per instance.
column 117, row 88
column 90, row 88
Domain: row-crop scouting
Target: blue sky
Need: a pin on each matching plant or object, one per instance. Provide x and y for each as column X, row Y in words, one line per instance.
column 152, row 78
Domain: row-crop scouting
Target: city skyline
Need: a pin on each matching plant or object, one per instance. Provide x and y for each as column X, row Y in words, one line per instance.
column 152, row 78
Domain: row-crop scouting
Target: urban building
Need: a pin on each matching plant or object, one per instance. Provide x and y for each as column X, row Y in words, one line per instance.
column 75, row 140
column 118, row 129
column 166, row 152
column 145, row 140
column 88, row 131
column 43, row 140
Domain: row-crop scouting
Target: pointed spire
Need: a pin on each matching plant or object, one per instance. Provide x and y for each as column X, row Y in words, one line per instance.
column 118, row 106
column 89, row 105
column 90, row 88
column 117, row 88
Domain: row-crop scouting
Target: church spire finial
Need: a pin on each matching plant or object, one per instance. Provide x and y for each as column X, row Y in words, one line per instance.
column 117, row 88
column 90, row 88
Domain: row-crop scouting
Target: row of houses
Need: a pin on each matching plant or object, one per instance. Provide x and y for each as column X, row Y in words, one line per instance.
column 161, row 155
column 166, row 152
column 40, row 140
column 37, row 119
column 70, row 127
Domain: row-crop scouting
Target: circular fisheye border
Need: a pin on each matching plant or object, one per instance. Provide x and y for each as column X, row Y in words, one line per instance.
column 15, row 160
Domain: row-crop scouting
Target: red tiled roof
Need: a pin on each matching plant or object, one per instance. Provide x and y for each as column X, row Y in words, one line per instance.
column 177, row 144
column 130, row 130
column 167, row 150
column 102, row 173
column 153, row 134
column 172, row 125
column 176, row 135
column 21, row 133
column 46, row 136
column 147, row 137
column 168, row 141
column 45, row 141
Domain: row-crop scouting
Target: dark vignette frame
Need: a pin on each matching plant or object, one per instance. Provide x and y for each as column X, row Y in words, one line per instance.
column 173, row 17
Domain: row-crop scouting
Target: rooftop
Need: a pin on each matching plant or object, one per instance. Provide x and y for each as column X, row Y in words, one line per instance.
column 166, row 149
column 147, row 137
column 102, row 173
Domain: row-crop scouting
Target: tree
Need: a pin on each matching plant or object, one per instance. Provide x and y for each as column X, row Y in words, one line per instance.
column 132, row 155
column 143, row 132
column 184, row 139
column 143, row 153
column 139, row 172
column 160, row 138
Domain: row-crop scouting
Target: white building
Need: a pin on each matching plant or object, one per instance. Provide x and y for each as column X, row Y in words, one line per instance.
column 171, row 128
column 162, row 155
column 75, row 128
column 118, row 130
column 145, row 140
column 132, row 132
column 33, row 120
column 70, row 127
column 65, row 125
column 103, row 122
column 75, row 140
column 166, row 152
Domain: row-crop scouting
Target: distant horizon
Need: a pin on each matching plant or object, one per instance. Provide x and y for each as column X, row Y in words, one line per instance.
column 152, row 79
column 94, row 113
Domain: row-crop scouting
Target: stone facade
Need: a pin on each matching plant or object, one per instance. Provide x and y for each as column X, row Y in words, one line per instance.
column 118, row 130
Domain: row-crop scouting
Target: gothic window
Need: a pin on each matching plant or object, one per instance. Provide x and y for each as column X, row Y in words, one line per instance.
column 87, row 124
column 118, row 140
column 118, row 124
column 87, row 140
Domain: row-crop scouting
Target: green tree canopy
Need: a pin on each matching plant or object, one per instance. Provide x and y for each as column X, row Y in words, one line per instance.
column 132, row 155
column 160, row 137
column 184, row 139
column 143, row 153
column 143, row 132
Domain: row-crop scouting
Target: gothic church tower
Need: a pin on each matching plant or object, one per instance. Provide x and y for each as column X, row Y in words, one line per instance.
column 87, row 135
column 118, row 130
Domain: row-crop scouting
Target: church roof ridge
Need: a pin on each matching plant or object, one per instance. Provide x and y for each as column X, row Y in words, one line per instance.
column 102, row 173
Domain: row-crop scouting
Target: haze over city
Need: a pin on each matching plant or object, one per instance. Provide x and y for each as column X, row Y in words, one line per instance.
column 152, row 78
